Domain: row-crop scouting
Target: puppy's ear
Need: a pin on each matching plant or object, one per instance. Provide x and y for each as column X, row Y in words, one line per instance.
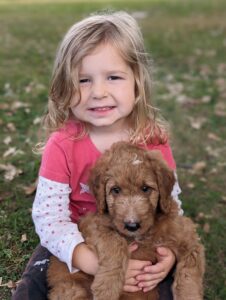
column 97, row 183
column 165, row 180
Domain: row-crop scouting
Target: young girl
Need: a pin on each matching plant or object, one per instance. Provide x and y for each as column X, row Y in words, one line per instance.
column 100, row 94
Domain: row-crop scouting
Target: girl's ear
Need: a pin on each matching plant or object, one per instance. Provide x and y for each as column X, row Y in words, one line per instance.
column 165, row 180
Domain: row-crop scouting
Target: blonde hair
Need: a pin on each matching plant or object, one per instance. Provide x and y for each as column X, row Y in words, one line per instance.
column 122, row 31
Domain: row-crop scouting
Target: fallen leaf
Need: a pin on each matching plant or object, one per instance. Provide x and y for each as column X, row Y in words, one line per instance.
column 175, row 89
column 9, row 152
column 23, row 238
column 190, row 185
column 201, row 215
column 11, row 127
column 29, row 190
column 37, row 120
column 211, row 53
column 4, row 106
column 221, row 68
column 7, row 140
column 206, row 227
column 221, row 84
column 18, row 104
column 197, row 123
column 214, row 137
column 10, row 171
column 198, row 167
column 10, row 284
column 205, row 70
column 220, row 109
column 206, row 99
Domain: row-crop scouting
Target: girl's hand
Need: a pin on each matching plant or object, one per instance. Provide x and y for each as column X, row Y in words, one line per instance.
column 156, row 273
column 84, row 259
column 135, row 268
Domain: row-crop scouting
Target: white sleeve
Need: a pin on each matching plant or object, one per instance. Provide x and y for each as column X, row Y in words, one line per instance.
column 51, row 216
column 175, row 192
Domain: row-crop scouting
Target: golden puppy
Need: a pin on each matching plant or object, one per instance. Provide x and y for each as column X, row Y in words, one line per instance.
column 132, row 187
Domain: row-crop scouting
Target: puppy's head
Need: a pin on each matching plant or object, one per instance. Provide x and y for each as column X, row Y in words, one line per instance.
column 132, row 185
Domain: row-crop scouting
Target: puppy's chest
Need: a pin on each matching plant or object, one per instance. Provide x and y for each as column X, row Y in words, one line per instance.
column 145, row 251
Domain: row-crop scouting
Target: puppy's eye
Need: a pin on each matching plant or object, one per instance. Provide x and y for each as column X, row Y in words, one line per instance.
column 115, row 190
column 146, row 189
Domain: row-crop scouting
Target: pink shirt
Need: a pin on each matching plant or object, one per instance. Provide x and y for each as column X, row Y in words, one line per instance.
column 68, row 160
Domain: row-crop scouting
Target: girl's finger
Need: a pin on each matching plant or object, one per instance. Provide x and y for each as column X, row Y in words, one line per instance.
column 138, row 264
column 133, row 273
column 150, row 277
column 158, row 268
column 148, row 284
column 131, row 288
column 147, row 289
column 131, row 281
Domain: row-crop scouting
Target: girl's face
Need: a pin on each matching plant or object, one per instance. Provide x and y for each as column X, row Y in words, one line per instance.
column 107, row 88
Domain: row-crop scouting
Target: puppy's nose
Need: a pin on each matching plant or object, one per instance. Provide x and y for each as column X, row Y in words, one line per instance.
column 132, row 226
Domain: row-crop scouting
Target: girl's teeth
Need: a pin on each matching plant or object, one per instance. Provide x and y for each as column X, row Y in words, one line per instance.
column 102, row 108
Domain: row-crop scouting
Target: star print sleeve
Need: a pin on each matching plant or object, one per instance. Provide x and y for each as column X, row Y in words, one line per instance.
column 51, row 216
column 175, row 195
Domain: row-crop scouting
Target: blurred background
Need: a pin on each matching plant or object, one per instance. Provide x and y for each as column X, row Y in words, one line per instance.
column 187, row 42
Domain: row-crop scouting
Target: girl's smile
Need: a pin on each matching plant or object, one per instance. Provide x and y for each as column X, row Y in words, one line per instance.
column 107, row 87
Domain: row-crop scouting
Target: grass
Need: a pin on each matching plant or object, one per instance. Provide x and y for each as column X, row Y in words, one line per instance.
column 187, row 40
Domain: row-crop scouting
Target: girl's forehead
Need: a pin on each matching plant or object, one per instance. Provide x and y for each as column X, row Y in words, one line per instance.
column 104, row 56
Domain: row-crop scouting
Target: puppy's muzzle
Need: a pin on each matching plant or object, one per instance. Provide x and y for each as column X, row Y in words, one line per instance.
column 132, row 226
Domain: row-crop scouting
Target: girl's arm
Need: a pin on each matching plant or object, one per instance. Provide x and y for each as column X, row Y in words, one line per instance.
column 51, row 216
column 85, row 259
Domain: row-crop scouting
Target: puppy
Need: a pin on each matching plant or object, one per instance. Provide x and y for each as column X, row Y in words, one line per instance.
column 132, row 187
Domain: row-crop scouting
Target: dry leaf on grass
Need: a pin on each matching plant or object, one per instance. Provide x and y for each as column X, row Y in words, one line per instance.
column 37, row 120
column 206, row 99
column 220, row 109
column 7, row 140
column 18, row 104
column 197, row 123
column 190, row 185
column 10, row 284
column 13, row 151
column 10, row 171
column 4, row 106
column 214, row 137
column 9, row 152
column 11, row 127
column 175, row 89
column 206, row 227
column 198, row 167
column 29, row 190
column 23, row 238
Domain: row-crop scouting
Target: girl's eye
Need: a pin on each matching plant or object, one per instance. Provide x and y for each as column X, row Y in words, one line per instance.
column 115, row 190
column 114, row 77
column 84, row 80
column 146, row 189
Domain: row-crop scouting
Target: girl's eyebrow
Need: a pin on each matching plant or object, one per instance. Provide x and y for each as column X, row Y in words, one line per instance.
column 107, row 72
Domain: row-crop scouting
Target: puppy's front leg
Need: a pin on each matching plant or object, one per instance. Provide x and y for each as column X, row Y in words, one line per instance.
column 113, row 260
column 189, row 273
column 112, row 253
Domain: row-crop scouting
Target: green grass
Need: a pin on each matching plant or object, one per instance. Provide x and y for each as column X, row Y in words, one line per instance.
column 187, row 40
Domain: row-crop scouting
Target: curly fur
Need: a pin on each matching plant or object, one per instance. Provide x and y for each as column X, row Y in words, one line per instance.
column 132, row 188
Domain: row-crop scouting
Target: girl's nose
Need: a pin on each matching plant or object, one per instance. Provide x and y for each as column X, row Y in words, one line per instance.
column 99, row 90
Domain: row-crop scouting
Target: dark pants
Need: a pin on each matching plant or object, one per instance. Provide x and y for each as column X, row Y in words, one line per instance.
column 33, row 285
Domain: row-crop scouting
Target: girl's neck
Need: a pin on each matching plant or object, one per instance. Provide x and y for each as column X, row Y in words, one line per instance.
column 104, row 137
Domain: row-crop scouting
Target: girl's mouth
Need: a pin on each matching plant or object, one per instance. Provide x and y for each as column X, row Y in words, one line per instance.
column 103, row 108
